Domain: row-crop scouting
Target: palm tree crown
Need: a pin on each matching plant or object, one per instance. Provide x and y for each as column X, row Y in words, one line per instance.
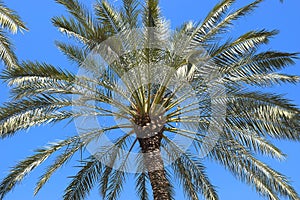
column 161, row 88
column 10, row 21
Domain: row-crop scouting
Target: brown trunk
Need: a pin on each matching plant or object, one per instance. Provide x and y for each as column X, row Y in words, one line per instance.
column 154, row 164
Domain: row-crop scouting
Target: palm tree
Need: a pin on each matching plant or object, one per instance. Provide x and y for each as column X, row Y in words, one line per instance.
column 212, row 75
column 10, row 21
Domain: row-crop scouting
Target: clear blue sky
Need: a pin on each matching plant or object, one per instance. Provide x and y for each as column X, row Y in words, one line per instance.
column 38, row 44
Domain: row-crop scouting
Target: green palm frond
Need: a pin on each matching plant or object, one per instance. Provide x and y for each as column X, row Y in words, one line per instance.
column 246, row 168
column 252, row 141
column 71, row 28
column 118, row 176
column 84, row 180
column 191, row 173
column 111, row 187
column 217, row 21
column 26, row 166
column 74, row 53
column 114, row 188
column 254, row 111
column 268, row 99
column 232, row 51
column 81, row 25
column 227, row 21
column 10, row 20
column 141, row 186
column 108, row 16
column 267, row 80
column 130, row 12
column 79, row 11
column 31, row 112
column 151, row 13
column 170, row 188
column 59, row 162
column 257, row 64
column 214, row 17
column 29, row 71
column 6, row 51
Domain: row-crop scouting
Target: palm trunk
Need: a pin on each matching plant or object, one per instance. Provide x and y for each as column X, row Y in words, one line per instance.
column 155, row 166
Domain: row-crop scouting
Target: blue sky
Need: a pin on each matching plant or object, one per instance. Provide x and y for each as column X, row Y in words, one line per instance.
column 38, row 44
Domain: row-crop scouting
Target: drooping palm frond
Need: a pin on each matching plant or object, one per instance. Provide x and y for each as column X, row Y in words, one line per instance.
column 84, row 180
column 117, row 177
column 6, row 50
column 252, row 171
column 191, row 173
column 141, row 186
column 10, row 21
column 59, row 162
column 26, row 166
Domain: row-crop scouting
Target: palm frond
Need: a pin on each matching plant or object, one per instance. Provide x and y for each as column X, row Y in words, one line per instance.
column 72, row 28
column 268, row 98
column 252, row 141
column 130, row 13
column 24, row 167
column 141, row 186
column 212, row 19
column 74, row 53
column 35, row 70
column 84, row 180
column 170, row 188
column 191, row 172
column 110, row 155
column 223, row 24
column 245, row 167
column 10, row 20
column 60, row 160
column 233, row 51
column 108, row 16
column 118, row 176
column 116, row 184
column 151, row 13
column 262, row 63
column 79, row 11
column 48, row 87
column 266, row 80
column 263, row 113
column 31, row 112
column 6, row 51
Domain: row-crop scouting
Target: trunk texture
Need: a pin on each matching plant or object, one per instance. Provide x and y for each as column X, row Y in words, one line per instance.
column 154, row 164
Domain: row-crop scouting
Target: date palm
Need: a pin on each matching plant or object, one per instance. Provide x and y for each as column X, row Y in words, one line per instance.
column 43, row 93
column 11, row 22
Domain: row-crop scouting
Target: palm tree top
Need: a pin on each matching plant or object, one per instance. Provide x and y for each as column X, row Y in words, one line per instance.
column 156, row 85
